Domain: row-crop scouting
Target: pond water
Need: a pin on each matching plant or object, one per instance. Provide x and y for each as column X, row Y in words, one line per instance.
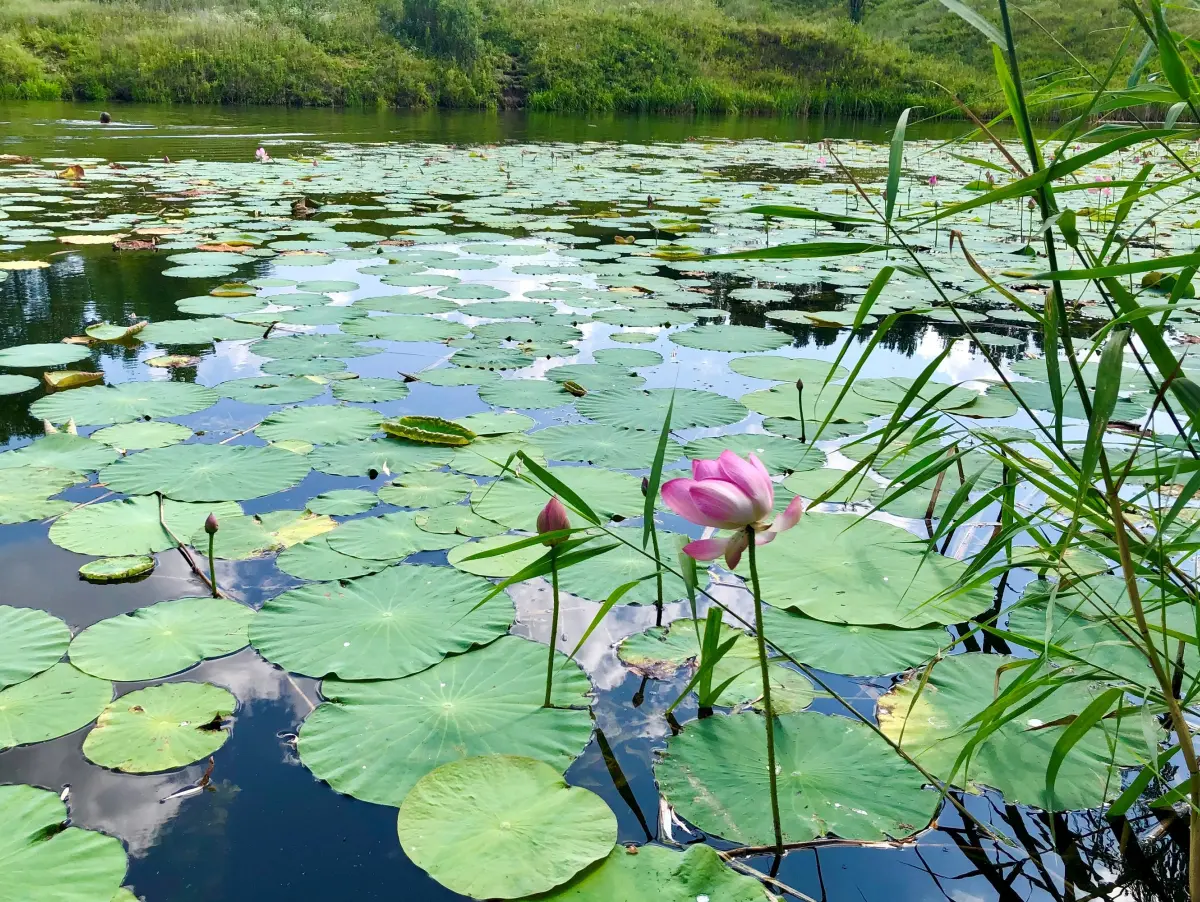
column 499, row 209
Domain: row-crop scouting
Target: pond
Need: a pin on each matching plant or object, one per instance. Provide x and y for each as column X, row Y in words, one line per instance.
column 539, row 281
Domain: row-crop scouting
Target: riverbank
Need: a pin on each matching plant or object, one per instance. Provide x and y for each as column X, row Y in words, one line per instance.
column 552, row 55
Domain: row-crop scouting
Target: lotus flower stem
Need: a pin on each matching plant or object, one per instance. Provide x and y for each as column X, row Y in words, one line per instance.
column 210, row 527
column 553, row 626
column 658, row 577
column 768, row 708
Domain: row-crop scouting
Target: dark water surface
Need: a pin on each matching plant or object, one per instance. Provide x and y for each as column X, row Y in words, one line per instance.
column 268, row 830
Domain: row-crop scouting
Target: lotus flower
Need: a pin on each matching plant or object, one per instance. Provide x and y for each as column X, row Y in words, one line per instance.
column 262, row 156
column 729, row 493
column 933, row 181
column 552, row 519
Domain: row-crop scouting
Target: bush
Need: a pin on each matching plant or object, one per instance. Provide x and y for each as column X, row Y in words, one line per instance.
column 449, row 29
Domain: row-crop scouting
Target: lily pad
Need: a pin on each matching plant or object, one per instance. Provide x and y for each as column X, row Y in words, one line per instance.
column 40, row 355
column 931, row 725
column 731, row 338
column 429, row 489
column 596, row 578
column 459, row 519
column 516, row 503
column 271, row 389
column 386, row 537
column 388, row 625
column 43, row 859
column 343, row 502
column 604, row 446
column 842, row 570
column 104, row 405
column 160, row 728
column 658, row 873
column 131, row 526
column 24, row 494
column 116, row 569
column 162, row 639
column 385, row 456
column 370, row 390
column 525, row 830
column 60, row 451
column 374, row 740
column 54, row 703
column 31, row 641
column 637, row 409
column 525, row 394
column 634, row 358
column 15, row 385
column 320, row 424
column 831, row 769
column 488, row 423
column 315, row 560
column 848, row 648
column 206, row 472
column 141, row 436
column 812, row 371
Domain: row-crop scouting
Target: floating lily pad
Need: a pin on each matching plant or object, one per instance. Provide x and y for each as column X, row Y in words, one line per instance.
column 131, row 526
column 31, row 641
column 303, row 366
column 459, row 519
column 525, row 831
column 429, row 489
column 604, row 446
column 848, row 648
column 39, row 355
column 141, row 436
column 271, row 389
column 60, row 451
column 320, row 424
column 731, row 338
column 932, row 726
column 813, row 484
column 42, row 858
column 488, row 423
column 203, row 331
column 54, row 703
column 305, row 347
column 636, row 409
column 457, row 375
column 406, row 328
column 160, row 728
column 103, row 405
column 116, row 569
column 25, row 491
column 343, row 502
column 595, row 376
column 516, row 503
column 499, row 566
column 655, row 872
column 370, row 390
column 15, row 385
column 525, row 394
column 831, row 769
column 811, row 371
column 315, row 560
column 487, row 456
column 634, row 358
column 389, row 536
column 843, row 570
column 207, row 472
column 374, row 740
column 162, row 639
column 385, row 456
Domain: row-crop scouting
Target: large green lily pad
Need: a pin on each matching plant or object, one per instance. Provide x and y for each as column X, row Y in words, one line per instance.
column 658, row 873
column 60, row 451
column 39, row 355
column 160, row 728
column 206, row 472
column 848, row 648
column 637, row 409
column 731, row 338
column 775, row 368
column 394, row 623
column 269, row 390
column 54, row 703
column 597, row 577
column 387, row 537
column 931, row 724
column 516, row 503
column 141, row 436
column 320, row 424
column 103, row 405
column 161, row 639
column 315, row 560
column 16, row 385
column 374, row 740
column 343, row 502
column 43, row 859
column 31, row 641
column 385, row 456
column 132, row 526
column 778, row 454
column 524, row 831
column 428, row 489
column 843, row 570
column 604, row 446
column 25, row 491
column 370, row 390
column 836, row 778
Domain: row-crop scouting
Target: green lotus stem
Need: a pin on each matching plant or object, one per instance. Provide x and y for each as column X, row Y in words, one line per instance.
column 800, row 407
column 658, row 579
column 768, row 709
column 553, row 626
column 212, row 565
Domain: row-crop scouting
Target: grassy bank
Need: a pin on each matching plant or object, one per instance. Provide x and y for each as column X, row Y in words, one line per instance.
column 568, row 55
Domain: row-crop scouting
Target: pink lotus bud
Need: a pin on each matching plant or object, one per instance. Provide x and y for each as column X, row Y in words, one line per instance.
column 933, row 181
column 210, row 525
column 552, row 519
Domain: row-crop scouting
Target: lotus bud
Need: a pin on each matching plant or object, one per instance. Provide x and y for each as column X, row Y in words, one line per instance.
column 71, row 430
column 210, row 525
column 645, row 486
column 552, row 519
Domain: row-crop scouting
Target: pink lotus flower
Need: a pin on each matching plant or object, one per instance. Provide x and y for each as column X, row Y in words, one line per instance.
column 933, row 181
column 729, row 493
column 262, row 156
column 552, row 518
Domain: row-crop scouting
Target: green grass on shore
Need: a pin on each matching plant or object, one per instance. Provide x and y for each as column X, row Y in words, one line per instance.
column 801, row 57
